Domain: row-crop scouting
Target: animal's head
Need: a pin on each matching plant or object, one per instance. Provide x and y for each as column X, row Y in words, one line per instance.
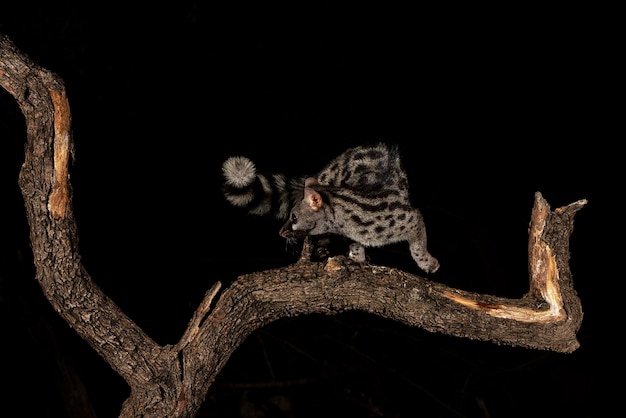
column 308, row 215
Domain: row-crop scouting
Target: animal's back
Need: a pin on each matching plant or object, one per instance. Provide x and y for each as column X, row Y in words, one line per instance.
column 369, row 168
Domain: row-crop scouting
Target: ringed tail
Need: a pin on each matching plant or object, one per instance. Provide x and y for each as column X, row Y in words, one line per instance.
column 258, row 193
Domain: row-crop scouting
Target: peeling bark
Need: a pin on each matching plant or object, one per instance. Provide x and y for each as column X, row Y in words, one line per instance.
column 172, row 380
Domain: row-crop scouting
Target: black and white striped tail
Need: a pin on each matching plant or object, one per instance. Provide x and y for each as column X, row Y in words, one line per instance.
column 260, row 194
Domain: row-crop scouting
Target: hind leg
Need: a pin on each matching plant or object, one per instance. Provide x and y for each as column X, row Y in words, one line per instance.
column 423, row 258
column 356, row 252
column 419, row 251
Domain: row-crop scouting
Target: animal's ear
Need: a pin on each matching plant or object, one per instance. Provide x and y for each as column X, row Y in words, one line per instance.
column 310, row 181
column 313, row 199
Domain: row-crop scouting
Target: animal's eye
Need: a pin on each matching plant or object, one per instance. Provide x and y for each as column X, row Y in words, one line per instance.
column 294, row 218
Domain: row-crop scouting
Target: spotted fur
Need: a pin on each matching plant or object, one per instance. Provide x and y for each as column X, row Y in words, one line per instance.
column 363, row 195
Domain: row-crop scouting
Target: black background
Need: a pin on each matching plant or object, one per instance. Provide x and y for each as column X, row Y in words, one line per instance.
column 488, row 107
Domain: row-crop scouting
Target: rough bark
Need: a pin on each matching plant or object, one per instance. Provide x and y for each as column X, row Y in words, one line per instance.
column 172, row 380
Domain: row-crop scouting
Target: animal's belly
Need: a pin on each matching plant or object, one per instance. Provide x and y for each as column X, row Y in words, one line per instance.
column 377, row 239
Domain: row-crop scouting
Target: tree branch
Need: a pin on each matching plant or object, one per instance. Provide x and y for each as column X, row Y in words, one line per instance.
column 173, row 380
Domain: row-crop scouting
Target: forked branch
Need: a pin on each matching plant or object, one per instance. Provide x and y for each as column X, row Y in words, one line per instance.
column 173, row 380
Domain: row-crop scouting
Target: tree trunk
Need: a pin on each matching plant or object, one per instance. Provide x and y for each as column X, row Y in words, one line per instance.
column 172, row 380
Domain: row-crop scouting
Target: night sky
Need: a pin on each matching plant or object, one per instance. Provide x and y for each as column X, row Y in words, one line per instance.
column 487, row 107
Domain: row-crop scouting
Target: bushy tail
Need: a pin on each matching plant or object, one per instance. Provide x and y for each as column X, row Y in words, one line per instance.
column 260, row 194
